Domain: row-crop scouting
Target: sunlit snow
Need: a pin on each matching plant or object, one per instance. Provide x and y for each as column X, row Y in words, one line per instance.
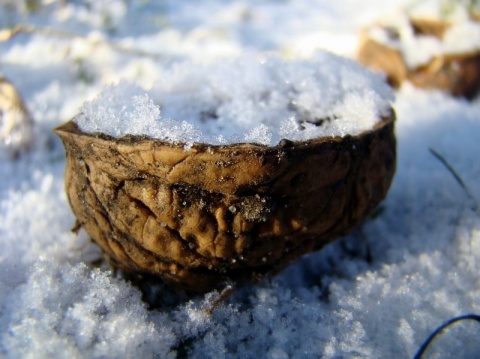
column 377, row 293
column 251, row 99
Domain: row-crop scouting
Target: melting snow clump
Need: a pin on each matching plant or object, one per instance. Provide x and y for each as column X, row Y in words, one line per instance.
column 250, row 99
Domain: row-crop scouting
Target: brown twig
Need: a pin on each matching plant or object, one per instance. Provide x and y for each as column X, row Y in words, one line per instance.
column 219, row 299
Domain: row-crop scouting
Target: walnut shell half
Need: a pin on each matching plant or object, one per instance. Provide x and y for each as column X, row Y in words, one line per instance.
column 457, row 74
column 199, row 216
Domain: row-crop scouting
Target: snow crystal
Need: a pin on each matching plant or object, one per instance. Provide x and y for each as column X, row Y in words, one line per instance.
column 249, row 99
column 117, row 106
column 83, row 313
column 260, row 134
column 377, row 293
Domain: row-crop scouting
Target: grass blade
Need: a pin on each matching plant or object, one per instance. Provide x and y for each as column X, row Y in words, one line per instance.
column 454, row 173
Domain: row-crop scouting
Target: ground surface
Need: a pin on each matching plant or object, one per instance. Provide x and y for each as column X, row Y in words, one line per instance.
column 375, row 294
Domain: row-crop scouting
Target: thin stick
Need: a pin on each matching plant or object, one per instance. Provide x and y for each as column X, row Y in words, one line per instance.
column 440, row 329
column 455, row 175
column 222, row 297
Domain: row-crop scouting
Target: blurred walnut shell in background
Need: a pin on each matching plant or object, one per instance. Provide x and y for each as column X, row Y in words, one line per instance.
column 457, row 74
column 196, row 217
column 16, row 124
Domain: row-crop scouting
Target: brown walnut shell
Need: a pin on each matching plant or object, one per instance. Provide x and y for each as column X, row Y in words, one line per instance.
column 458, row 74
column 196, row 217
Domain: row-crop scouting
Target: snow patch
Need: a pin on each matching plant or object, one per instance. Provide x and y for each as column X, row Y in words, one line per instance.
column 250, row 99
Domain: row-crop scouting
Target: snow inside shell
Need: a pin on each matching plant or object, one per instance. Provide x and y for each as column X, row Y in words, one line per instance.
column 251, row 99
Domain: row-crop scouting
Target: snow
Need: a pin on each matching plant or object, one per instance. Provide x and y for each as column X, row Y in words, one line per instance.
column 378, row 293
column 248, row 99
column 463, row 38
